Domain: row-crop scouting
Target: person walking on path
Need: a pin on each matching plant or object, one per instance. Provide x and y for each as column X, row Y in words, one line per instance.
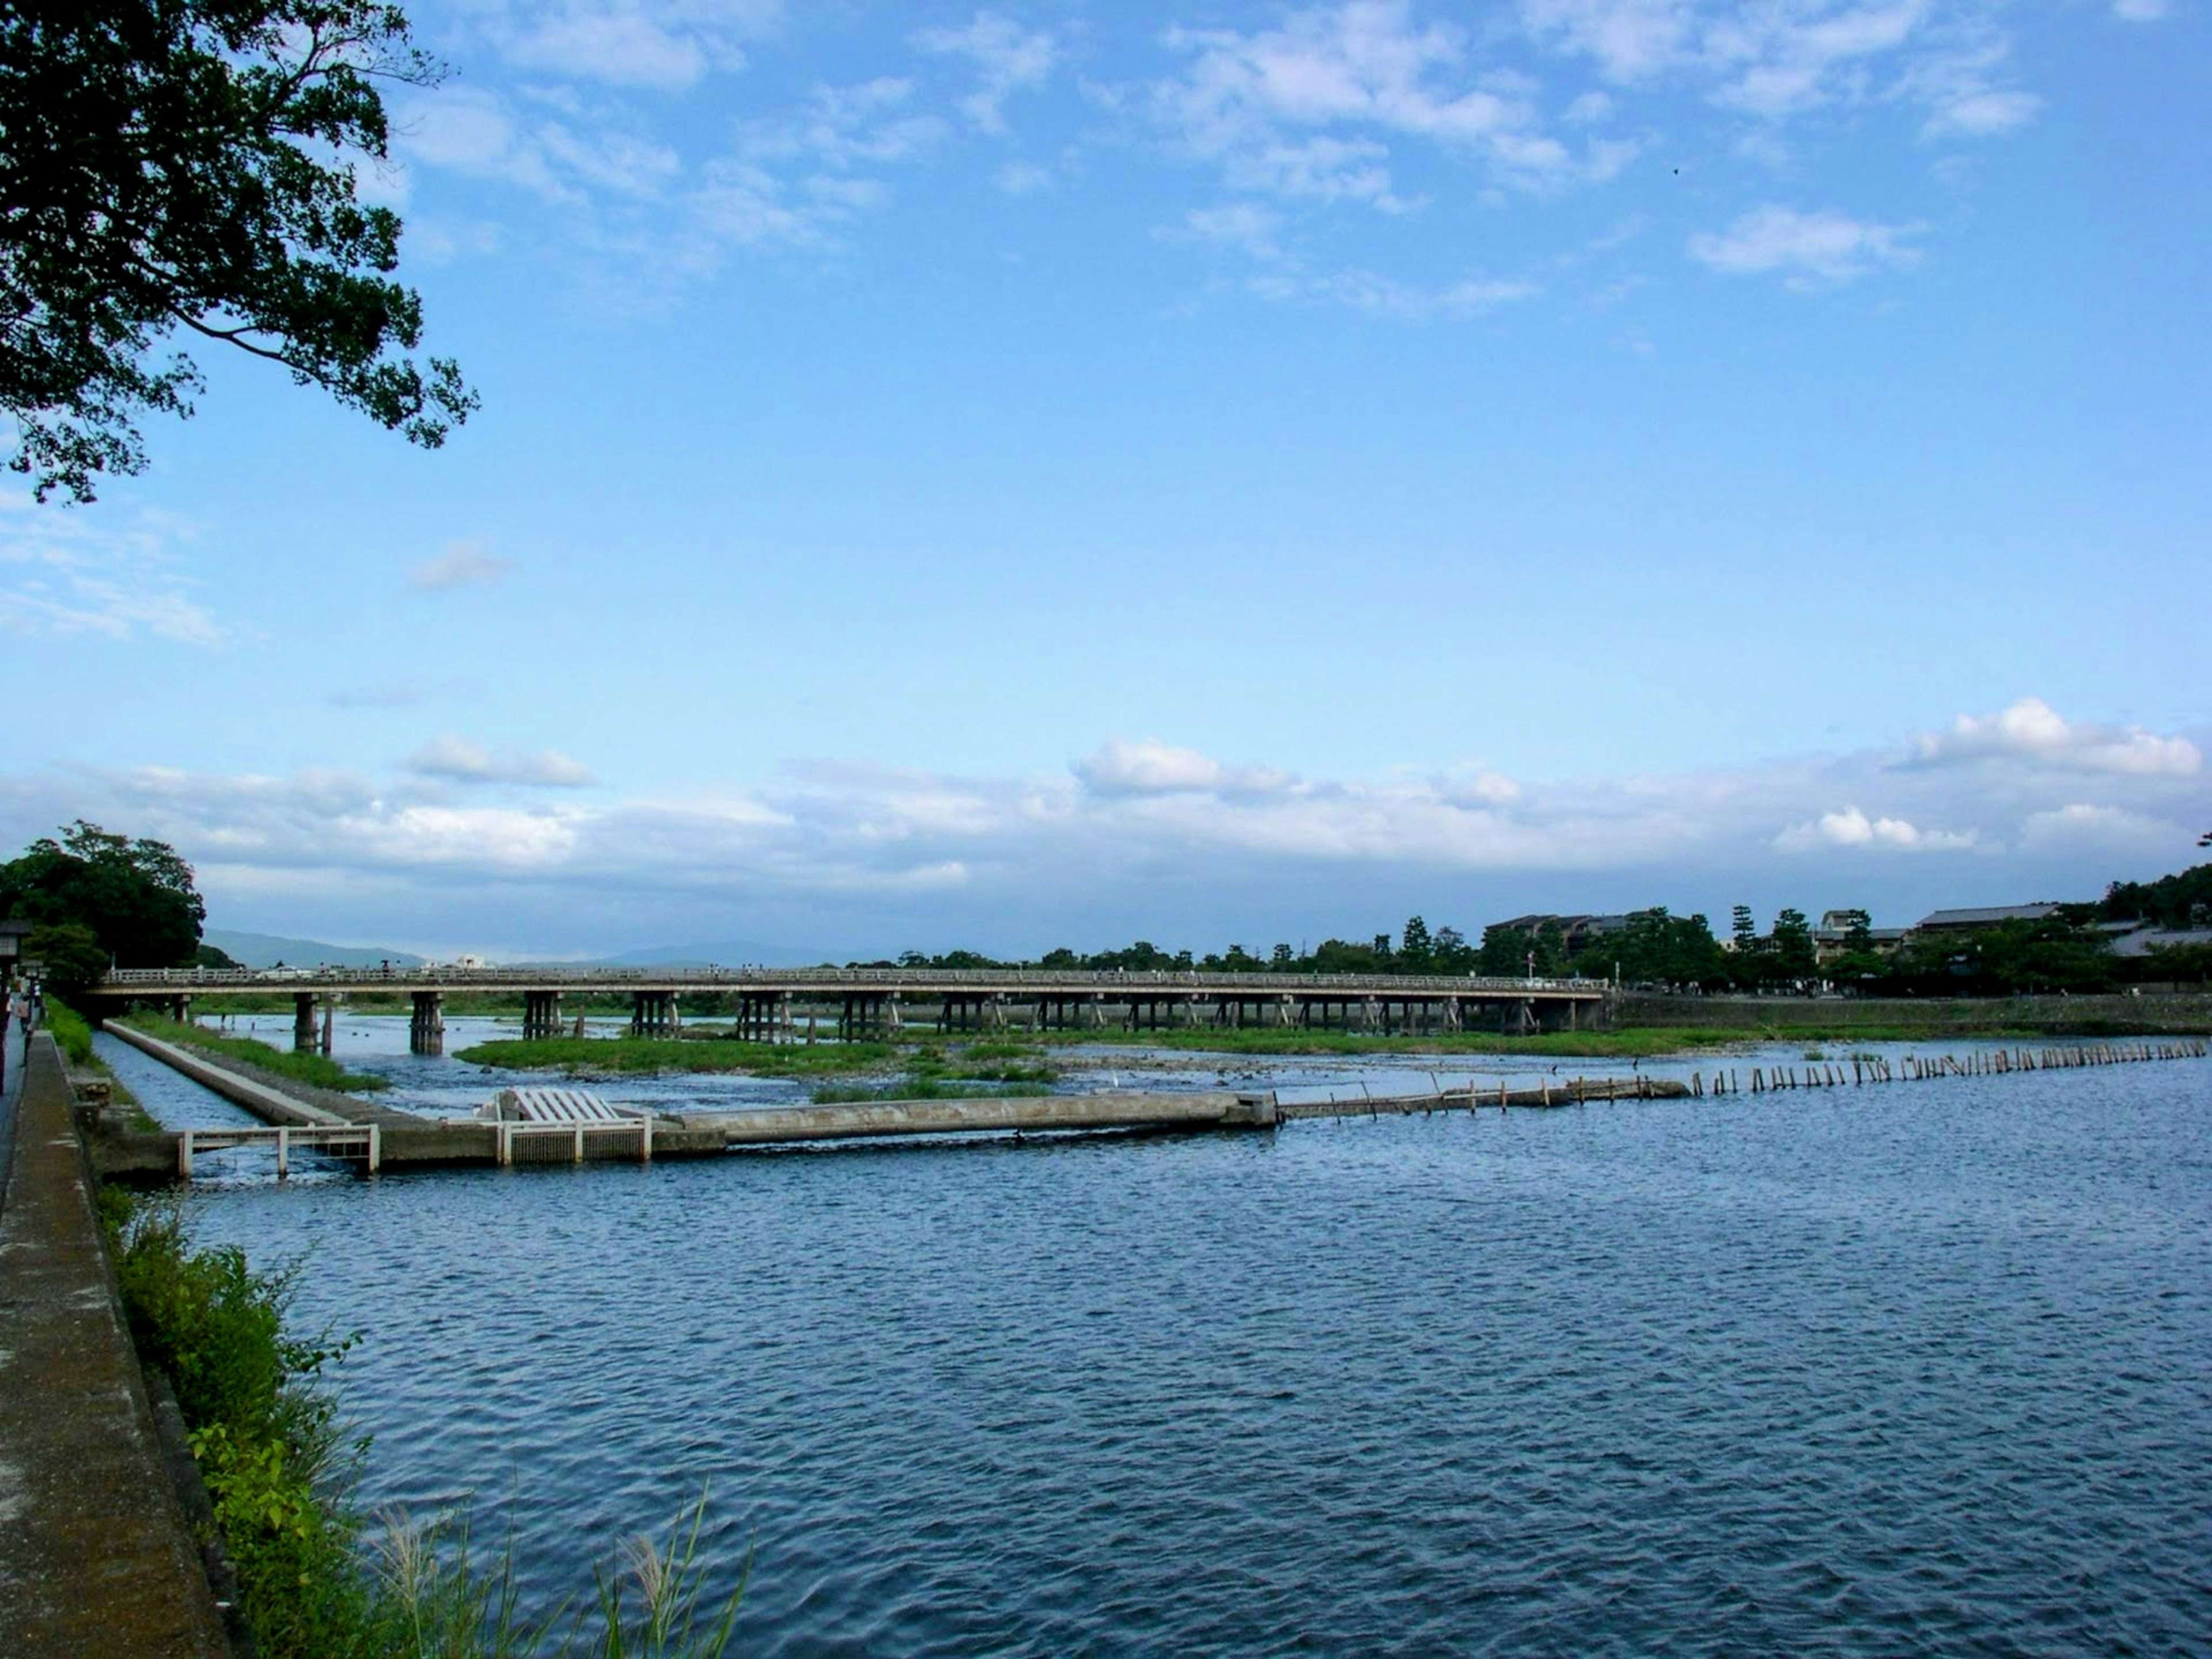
column 19, row 1007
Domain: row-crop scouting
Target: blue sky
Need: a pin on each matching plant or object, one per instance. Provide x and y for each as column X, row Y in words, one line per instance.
column 1063, row 472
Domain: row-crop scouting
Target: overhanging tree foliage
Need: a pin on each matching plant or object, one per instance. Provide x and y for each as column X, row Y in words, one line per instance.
column 188, row 166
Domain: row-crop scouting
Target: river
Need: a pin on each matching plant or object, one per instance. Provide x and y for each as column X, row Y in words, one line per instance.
column 1914, row 1369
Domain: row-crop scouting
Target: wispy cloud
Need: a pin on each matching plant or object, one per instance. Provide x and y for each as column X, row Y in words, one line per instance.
column 1806, row 248
column 385, row 694
column 463, row 564
column 666, row 45
column 1007, row 56
column 88, row 572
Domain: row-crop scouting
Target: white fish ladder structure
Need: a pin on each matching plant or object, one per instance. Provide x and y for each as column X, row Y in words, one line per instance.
column 547, row 1116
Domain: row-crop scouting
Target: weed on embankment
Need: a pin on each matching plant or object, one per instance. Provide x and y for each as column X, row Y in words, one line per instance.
column 317, row 1071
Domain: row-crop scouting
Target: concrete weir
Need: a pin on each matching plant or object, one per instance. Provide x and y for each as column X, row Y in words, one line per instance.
column 1036, row 1114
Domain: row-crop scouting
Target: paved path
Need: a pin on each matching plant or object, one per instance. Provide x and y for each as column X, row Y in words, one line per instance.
column 95, row 1558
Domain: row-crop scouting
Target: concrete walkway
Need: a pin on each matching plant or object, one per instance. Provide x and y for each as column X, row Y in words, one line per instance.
column 95, row 1558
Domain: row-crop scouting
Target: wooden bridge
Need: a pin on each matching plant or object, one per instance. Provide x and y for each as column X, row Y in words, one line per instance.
column 806, row 1004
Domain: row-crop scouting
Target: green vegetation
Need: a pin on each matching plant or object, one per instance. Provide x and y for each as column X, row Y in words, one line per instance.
column 620, row 1056
column 317, row 1071
column 191, row 165
column 264, row 1430
column 74, row 1037
column 100, row 899
column 70, row 1031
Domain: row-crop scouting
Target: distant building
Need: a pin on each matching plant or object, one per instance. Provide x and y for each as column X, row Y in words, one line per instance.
column 1972, row 920
column 1576, row 932
column 1832, row 939
column 2140, row 941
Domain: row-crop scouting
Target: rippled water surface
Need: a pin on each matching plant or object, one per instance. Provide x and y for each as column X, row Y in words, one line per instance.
column 1925, row 1369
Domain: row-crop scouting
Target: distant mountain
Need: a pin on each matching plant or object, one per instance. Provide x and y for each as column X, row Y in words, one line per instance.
column 728, row 953
column 267, row 950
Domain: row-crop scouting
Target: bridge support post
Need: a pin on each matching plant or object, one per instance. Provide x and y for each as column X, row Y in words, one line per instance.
column 330, row 1020
column 425, row 1028
column 1454, row 1020
column 893, row 1024
column 303, row 1022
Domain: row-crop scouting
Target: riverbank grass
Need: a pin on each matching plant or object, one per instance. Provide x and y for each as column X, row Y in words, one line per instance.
column 317, row 1071
column 264, row 1432
column 628, row 1056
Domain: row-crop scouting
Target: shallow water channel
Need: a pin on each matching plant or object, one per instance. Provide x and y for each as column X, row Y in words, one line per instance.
column 1913, row 1369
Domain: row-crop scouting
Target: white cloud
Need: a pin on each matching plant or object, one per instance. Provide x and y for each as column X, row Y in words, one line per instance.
column 1248, row 226
column 1382, row 296
column 65, row 572
column 557, row 154
column 2082, row 825
column 1825, row 246
column 2141, row 11
column 666, row 45
column 1306, row 110
column 463, row 564
column 1153, row 767
column 1022, row 179
column 2030, row 730
column 455, row 760
column 1008, row 58
column 1630, row 39
column 1138, row 818
column 1852, row 828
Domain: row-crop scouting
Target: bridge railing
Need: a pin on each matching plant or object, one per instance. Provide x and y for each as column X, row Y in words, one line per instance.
column 151, row 980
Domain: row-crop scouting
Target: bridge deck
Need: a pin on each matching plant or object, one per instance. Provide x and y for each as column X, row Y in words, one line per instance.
column 1023, row 983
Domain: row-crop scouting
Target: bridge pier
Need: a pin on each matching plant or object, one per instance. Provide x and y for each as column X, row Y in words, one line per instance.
column 426, row 1026
column 541, row 1015
column 330, row 1021
column 303, row 1022
column 653, row 1014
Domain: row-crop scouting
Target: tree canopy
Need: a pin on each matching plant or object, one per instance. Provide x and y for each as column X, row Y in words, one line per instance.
column 189, row 166
column 133, row 900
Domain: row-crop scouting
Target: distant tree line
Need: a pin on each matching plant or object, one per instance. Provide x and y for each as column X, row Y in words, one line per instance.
column 2065, row 951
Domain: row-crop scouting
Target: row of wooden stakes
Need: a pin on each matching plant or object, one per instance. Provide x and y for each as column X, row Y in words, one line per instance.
column 1921, row 1068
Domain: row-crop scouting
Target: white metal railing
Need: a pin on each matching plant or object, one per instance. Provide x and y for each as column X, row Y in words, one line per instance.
column 837, row 980
column 509, row 1131
column 363, row 1141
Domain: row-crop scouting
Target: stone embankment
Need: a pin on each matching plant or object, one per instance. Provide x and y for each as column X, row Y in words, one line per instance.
column 94, row 1554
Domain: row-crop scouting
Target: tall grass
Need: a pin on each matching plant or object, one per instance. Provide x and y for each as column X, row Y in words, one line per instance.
column 69, row 1030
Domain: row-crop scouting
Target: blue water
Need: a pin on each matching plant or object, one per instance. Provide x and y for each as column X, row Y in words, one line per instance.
column 1921, row 1369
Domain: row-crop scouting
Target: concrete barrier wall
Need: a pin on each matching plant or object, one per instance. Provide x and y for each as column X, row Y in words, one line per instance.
column 94, row 1554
